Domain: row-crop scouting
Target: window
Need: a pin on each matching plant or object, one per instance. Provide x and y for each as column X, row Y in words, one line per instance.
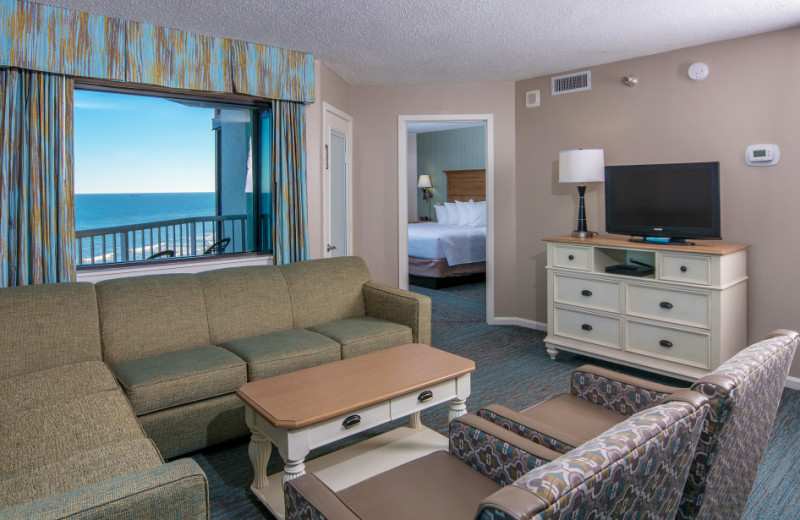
column 162, row 177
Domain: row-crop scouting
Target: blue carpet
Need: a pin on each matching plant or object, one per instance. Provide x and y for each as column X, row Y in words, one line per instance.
column 514, row 369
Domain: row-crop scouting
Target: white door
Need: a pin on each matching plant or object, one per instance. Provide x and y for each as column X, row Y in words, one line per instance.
column 338, row 175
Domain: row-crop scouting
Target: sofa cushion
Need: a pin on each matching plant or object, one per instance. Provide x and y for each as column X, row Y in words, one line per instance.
column 363, row 335
column 144, row 316
column 245, row 301
column 48, row 325
column 33, row 438
column 81, row 469
column 282, row 352
column 326, row 290
column 53, row 385
column 166, row 380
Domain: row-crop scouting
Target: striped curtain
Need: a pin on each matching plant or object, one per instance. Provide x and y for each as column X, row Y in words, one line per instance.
column 289, row 201
column 37, row 224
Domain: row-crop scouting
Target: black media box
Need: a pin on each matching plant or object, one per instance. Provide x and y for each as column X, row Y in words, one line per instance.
column 630, row 270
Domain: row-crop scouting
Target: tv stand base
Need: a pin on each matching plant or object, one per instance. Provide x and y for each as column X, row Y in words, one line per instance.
column 658, row 240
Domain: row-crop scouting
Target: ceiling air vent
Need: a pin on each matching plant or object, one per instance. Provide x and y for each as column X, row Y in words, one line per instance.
column 571, row 82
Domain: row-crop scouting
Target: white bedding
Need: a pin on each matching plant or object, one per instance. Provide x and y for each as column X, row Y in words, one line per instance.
column 457, row 244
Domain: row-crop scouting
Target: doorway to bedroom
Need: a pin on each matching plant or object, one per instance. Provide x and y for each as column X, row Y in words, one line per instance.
column 445, row 172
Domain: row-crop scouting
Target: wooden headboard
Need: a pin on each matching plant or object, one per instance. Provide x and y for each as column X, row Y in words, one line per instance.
column 464, row 185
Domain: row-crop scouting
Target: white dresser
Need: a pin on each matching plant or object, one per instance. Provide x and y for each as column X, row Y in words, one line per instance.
column 683, row 320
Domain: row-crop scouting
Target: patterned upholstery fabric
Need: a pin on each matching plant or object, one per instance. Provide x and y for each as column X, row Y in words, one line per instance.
column 524, row 431
column 498, row 460
column 736, row 433
column 410, row 309
column 298, row 508
column 364, row 335
column 636, row 469
column 623, row 398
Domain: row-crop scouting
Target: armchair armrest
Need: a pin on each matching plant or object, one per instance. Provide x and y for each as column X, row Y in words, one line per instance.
column 493, row 451
column 404, row 307
column 618, row 392
column 176, row 490
column 530, row 428
column 308, row 498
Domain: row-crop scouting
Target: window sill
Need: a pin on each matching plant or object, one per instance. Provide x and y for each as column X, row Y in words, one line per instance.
column 98, row 273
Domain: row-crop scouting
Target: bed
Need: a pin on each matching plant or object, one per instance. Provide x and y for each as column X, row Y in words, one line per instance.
column 442, row 255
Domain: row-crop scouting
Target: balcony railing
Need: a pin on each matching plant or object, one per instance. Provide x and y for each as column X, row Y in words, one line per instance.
column 184, row 237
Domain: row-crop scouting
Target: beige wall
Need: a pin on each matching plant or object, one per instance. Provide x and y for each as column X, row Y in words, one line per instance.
column 375, row 110
column 749, row 97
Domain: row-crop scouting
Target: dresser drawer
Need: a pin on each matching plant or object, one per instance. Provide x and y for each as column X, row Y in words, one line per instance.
column 334, row 429
column 594, row 294
column 601, row 330
column 688, row 348
column 572, row 257
column 685, row 268
column 672, row 305
column 422, row 399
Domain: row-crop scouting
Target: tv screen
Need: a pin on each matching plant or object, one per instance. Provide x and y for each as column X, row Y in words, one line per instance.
column 675, row 201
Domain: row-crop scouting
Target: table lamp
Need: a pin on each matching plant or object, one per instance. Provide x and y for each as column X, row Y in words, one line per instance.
column 427, row 190
column 582, row 167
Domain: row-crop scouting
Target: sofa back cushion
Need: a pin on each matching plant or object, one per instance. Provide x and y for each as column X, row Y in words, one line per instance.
column 47, row 326
column 326, row 290
column 143, row 316
column 245, row 301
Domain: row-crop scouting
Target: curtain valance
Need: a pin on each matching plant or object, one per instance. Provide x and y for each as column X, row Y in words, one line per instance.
column 62, row 41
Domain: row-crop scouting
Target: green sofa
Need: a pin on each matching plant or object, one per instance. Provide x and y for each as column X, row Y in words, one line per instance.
column 99, row 382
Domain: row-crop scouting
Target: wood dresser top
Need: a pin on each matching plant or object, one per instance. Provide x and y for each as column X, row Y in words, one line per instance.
column 707, row 247
column 315, row 394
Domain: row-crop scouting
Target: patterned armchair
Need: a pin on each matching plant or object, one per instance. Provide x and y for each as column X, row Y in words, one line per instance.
column 744, row 396
column 637, row 468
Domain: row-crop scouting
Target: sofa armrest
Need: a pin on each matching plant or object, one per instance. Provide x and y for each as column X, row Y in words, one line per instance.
column 404, row 307
column 308, row 498
column 616, row 391
column 530, row 428
column 177, row 490
column 493, row 451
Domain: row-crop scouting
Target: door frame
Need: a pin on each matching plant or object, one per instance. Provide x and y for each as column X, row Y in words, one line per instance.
column 329, row 113
column 402, row 190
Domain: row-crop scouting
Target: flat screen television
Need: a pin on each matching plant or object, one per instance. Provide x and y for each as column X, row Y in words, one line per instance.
column 663, row 202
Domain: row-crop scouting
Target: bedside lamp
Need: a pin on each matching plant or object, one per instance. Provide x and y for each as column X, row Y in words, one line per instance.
column 424, row 184
column 581, row 167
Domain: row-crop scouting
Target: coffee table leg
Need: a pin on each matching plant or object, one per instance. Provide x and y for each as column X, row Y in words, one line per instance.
column 414, row 420
column 458, row 407
column 259, row 451
column 293, row 469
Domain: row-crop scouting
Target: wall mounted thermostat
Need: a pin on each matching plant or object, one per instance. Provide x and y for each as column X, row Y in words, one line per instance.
column 762, row 154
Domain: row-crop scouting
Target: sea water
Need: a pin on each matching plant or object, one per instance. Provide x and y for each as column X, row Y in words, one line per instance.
column 102, row 210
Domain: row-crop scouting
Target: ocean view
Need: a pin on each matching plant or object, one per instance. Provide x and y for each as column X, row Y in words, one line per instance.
column 93, row 211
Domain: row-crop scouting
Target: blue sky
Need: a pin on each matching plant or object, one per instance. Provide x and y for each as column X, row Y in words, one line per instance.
column 138, row 144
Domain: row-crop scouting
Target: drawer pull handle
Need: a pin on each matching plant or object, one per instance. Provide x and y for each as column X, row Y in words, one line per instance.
column 427, row 395
column 665, row 305
column 586, row 292
column 665, row 343
column 684, row 268
column 571, row 257
column 586, row 326
column 351, row 421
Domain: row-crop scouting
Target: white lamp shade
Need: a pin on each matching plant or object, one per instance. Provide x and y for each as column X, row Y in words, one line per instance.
column 424, row 181
column 581, row 166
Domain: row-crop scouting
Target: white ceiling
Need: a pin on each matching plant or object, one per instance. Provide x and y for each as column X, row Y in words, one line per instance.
column 425, row 41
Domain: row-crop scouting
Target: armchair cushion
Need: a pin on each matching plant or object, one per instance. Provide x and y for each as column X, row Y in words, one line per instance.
column 364, row 335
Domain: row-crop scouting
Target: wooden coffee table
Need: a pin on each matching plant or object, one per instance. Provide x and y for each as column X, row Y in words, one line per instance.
column 310, row 408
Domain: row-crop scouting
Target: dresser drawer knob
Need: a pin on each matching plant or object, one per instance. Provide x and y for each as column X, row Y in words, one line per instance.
column 684, row 268
column 586, row 326
column 665, row 305
column 665, row 343
column 586, row 292
column 427, row 395
column 351, row 421
column 571, row 257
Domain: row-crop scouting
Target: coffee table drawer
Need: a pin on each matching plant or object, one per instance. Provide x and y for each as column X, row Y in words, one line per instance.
column 348, row 424
column 422, row 399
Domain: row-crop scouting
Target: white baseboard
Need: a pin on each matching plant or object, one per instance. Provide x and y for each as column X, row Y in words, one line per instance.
column 522, row 322
column 793, row 383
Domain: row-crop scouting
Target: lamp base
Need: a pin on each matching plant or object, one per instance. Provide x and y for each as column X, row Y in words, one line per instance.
column 583, row 234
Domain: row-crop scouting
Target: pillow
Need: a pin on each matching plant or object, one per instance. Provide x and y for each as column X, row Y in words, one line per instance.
column 477, row 214
column 463, row 213
column 452, row 213
column 442, row 214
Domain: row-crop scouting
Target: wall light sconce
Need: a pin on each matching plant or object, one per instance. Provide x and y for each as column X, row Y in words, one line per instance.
column 630, row 81
column 425, row 185
column 581, row 167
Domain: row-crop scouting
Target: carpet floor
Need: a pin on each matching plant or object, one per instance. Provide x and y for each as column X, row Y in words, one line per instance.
column 513, row 369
